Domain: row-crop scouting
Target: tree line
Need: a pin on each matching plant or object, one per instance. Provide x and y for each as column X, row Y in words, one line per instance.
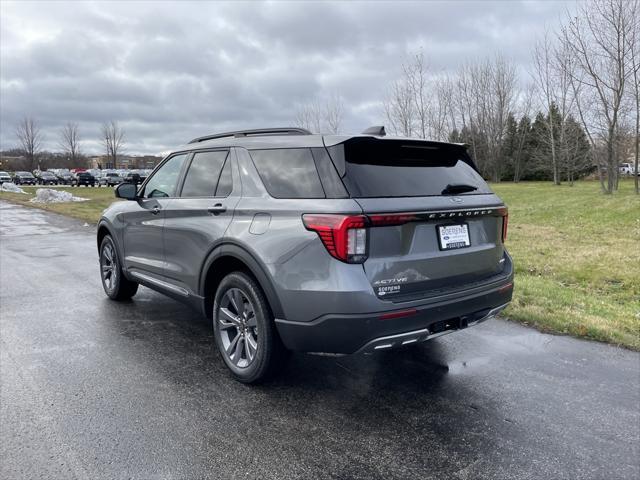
column 30, row 139
column 583, row 84
column 577, row 111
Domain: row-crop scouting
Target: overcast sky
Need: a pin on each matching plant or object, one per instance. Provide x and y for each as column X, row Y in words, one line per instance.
column 168, row 72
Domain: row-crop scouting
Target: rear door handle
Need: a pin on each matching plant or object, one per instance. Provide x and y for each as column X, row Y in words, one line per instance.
column 217, row 209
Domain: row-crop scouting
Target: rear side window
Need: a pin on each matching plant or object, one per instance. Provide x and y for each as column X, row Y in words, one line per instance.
column 203, row 174
column 390, row 168
column 225, row 184
column 288, row 173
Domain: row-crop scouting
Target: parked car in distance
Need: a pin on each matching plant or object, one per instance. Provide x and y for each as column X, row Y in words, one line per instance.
column 112, row 179
column 46, row 178
column 316, row 243
column 24, row 178
column 143, row 174
column 5, row 178
column 64, row 177
column 132, row 177
column 83, row 178
column 627, row 169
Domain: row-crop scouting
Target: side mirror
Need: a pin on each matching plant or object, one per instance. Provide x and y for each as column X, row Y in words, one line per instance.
column 128, row 191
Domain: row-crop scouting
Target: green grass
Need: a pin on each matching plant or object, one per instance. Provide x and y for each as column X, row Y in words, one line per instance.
column 89, row 211
column 576, row 254
column 577, row 259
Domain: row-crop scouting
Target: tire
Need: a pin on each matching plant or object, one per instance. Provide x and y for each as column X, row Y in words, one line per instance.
column 244, row 330
column 114, row 283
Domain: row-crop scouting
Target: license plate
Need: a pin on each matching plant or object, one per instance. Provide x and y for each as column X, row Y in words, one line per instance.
column 453, row 236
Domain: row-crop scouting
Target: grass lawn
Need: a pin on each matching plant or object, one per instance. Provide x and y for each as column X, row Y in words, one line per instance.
column 99, row 198
column 576, row 253
column 577, row 259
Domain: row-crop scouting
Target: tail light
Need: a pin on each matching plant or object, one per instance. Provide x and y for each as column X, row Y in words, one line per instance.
column 344, row 236
column 505, row 225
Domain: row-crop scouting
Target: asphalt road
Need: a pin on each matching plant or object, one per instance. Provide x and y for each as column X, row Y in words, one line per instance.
column 95, row 389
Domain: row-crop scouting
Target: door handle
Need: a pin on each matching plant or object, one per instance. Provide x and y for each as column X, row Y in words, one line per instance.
column 155, row 210
column 217, row 209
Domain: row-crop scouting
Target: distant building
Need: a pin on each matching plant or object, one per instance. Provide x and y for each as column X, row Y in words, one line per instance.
column 125, row 162
column 12, row 162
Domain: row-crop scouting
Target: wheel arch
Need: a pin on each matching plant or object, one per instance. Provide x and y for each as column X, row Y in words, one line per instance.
column 103, row 231
column 228, row 258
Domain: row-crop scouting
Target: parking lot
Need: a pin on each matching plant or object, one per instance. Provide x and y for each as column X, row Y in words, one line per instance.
column 95, row 389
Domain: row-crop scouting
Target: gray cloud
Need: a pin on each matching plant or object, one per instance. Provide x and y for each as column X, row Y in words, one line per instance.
column 172, row 71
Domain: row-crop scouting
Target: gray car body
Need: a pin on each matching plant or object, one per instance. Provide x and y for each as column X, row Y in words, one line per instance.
column 320, row 304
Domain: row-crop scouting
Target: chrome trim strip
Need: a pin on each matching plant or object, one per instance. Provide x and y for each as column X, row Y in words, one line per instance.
column 160, row 283
column 435, row 215
column 391, row 341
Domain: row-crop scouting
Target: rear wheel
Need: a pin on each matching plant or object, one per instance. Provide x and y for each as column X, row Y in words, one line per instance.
column 115, row 284
column 244, row 330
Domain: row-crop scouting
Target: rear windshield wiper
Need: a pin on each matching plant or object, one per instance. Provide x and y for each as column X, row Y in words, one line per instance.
column 454, row 188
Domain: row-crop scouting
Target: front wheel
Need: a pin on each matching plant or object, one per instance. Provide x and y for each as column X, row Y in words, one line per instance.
column 115, row 284
column 244, row 329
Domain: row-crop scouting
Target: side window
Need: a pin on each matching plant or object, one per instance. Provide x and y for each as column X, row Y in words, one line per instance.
column 331, row 182
column 288, row 173
column 225, row 184
column 164, row 181
column 203, row 174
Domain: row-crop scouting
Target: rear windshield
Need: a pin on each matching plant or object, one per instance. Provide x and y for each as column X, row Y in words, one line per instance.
column 390, row 168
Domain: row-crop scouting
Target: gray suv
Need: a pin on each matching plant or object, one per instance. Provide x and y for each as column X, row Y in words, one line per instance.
column 313, row 243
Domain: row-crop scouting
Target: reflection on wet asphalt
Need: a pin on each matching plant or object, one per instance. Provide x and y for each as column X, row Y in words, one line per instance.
column 95, row 389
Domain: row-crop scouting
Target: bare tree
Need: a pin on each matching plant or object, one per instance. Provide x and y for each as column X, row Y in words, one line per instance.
column 421, row 103
column 634, row 48
column 321, row 116
column 598, row 39
column 399, row 108
column 69, row 142
column 309, row 116
column 487, row 97
column 415, row 78
column 113, row 140
column 30, row 140
column 543, row 75
column 522, row 134
column 334, row 113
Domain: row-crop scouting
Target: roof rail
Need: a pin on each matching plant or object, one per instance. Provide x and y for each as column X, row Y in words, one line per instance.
column 254, row 133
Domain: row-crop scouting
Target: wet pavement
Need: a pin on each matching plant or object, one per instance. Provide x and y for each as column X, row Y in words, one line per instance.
column 95, row 389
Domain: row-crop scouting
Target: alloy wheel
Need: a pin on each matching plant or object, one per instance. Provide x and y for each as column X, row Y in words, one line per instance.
column 238, row 328
column 108, row 267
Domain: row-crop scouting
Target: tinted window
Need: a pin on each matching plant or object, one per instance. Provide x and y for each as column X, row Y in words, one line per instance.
column 225, row 184
column 288, row 173
column 331, row 183
column 389, row 168
column 203, row 174
column 164, row 181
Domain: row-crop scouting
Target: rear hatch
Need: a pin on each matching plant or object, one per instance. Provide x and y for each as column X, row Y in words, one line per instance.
column 435, row 225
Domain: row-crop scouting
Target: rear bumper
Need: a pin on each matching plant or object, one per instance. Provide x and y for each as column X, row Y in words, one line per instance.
column 346, row 334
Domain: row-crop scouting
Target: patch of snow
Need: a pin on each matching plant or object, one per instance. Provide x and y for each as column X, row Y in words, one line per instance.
column 11, row 187
column 48, row 195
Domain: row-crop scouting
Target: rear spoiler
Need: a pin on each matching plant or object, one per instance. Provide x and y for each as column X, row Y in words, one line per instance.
column 339, row 160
